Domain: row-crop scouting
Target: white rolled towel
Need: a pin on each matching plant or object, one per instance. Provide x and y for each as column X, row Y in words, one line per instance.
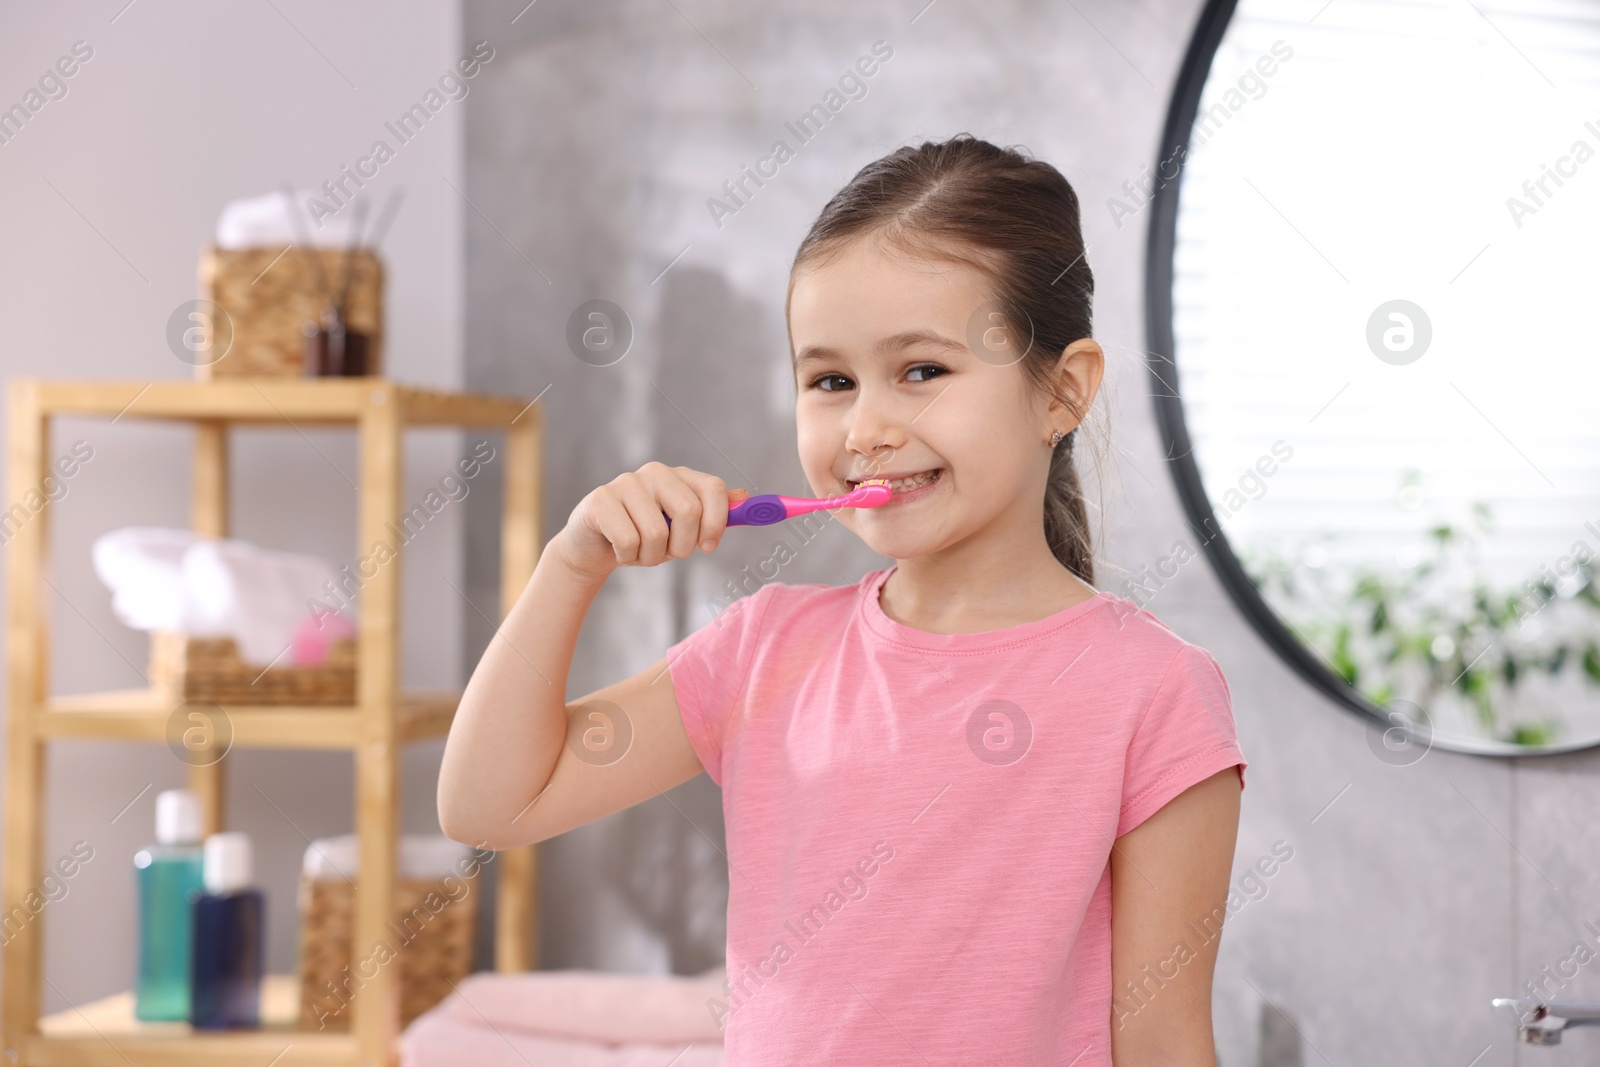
column 143, row 567
column 419, row 856
column 264, row 222
column 166, row 578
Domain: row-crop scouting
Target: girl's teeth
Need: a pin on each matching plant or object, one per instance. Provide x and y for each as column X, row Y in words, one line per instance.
column 903, row 485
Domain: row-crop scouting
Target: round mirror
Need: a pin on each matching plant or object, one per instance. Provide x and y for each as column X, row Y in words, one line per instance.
column 1373, row 351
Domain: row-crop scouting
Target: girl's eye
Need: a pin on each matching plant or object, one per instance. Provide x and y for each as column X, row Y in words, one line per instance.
column 816, row 383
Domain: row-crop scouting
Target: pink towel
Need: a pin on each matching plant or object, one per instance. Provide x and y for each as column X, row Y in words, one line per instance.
column 572, row 1018
column 445, row 1043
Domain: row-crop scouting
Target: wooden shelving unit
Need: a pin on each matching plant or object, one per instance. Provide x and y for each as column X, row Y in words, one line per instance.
column 382, row 719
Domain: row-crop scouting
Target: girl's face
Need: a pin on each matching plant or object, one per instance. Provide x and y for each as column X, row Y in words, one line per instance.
column 888, row 385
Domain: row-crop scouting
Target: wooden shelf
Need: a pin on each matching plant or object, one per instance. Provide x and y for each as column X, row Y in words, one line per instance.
column 144, row 715
column 106, row 1034
column 270, row 400
column 382, row 718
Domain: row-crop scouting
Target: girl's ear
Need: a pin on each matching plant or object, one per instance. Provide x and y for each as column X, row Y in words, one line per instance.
column 1078, row 373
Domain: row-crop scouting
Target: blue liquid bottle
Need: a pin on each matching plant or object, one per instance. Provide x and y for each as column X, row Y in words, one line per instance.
column 168, row 874
column 229, row 947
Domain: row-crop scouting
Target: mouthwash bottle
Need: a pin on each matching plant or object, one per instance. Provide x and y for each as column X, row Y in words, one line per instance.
column 229, row 951
column 168, row 872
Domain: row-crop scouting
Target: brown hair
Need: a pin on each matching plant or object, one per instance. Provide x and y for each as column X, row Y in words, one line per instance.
column 1014, row 219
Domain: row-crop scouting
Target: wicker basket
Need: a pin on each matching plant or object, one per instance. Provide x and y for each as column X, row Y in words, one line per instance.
column 430, row 939
column 208, row 669
column 270, row 294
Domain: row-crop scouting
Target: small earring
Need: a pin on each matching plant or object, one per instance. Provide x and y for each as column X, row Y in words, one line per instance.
column 1055, row 438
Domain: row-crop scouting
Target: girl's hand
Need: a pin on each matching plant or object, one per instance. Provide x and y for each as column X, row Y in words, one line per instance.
column 621, row 524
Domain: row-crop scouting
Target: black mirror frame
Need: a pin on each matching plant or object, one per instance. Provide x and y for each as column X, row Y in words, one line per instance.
column 1161, row 359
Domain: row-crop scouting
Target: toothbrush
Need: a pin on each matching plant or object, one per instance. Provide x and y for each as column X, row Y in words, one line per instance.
column 769, row 508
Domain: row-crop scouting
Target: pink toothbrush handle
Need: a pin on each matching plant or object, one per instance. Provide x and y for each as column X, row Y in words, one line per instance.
column 769, row 508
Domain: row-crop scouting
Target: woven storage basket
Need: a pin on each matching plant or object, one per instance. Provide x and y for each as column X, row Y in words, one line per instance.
column 208, row 669
column 431, row 941
column 269, row 295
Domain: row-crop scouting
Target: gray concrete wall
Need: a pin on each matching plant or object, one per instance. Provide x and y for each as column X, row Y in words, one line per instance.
column 1415, row 893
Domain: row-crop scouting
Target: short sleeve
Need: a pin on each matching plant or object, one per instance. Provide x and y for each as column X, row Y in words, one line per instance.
column 1186, row 735
column 709, row 669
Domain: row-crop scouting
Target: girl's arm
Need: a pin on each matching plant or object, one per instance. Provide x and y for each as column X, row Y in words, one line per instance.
column 521, row 763
column 1169, row 879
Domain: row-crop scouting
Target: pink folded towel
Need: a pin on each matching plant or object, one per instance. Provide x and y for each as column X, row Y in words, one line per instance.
column 436, row 1041
column 591, row 1005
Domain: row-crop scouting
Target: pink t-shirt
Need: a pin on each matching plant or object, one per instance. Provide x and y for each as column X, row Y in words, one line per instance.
column 919, row 825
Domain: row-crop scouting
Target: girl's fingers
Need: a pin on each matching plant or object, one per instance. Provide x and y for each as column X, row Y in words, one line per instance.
column 713, row 494
column 650, row 525
column 660, row 512
column 683, row 506
column 616, row 525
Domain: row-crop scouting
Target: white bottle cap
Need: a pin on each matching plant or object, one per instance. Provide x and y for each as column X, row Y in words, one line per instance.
column 227, row 862
column 177, row 817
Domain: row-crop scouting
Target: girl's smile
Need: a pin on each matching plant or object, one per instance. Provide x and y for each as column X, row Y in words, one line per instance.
column 908, row 489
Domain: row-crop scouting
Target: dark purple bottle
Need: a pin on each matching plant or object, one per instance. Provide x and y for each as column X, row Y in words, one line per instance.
column 228, row 946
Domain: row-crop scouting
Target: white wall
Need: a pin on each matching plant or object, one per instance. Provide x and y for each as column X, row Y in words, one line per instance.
column 112, row 190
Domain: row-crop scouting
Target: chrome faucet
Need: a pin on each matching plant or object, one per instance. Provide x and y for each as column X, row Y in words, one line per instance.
column 1540, row 1022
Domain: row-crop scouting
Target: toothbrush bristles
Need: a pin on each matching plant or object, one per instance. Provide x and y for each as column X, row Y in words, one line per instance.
column 875, row 499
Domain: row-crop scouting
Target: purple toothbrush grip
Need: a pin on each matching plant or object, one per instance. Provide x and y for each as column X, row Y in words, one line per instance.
column 763, row 510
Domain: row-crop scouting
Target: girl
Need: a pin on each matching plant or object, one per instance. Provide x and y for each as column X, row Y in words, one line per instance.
column 977, row 810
